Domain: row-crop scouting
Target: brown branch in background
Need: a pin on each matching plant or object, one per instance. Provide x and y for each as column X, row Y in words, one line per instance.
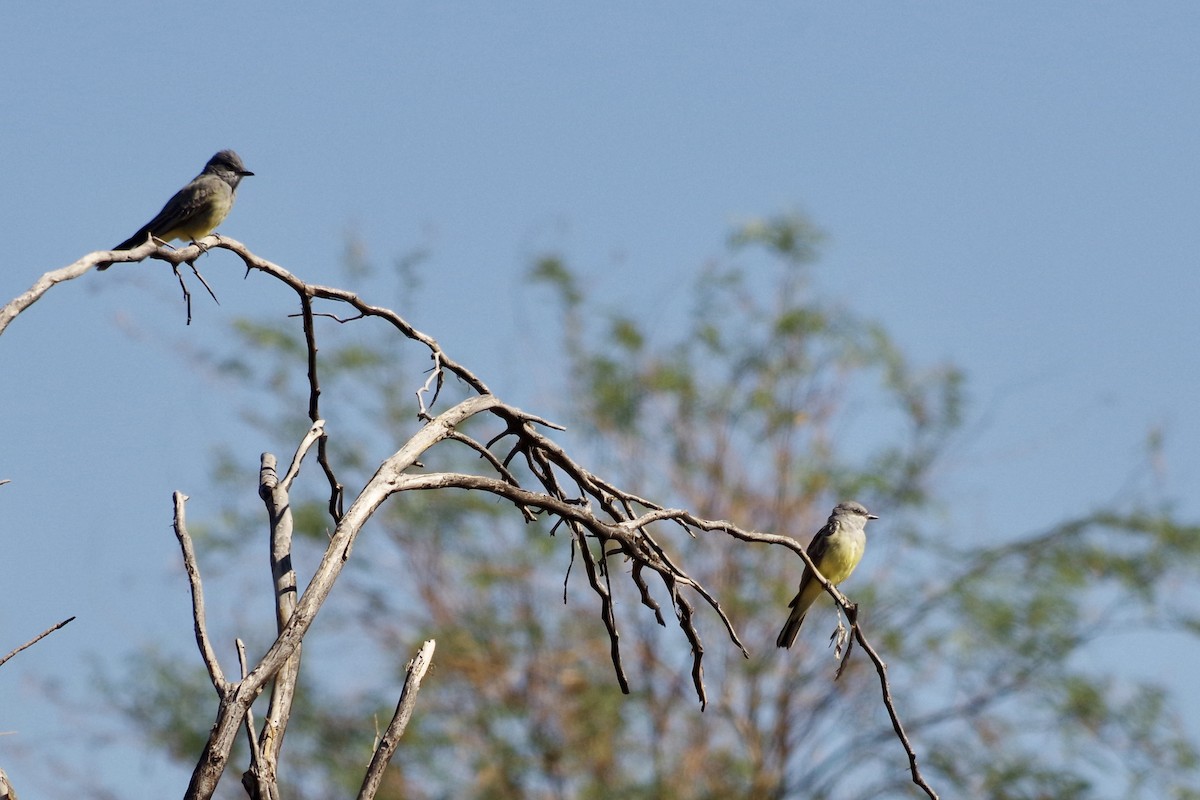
column 413, row 676
column 36, row 639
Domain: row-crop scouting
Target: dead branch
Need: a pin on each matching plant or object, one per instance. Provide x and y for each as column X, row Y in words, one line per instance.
column 193, row 572
column 413, row 676
column 36, row 639
column 7, row 792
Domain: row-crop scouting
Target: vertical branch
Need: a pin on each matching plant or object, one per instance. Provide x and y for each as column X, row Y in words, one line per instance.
column 395, row 729
column 255, row 780
column 606, row 602
column 274, row 493
column 262, row 779
column 283, row 577
column 336, row 490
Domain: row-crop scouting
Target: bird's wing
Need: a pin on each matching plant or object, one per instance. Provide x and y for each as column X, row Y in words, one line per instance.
column 178, row 210
column 816, row 551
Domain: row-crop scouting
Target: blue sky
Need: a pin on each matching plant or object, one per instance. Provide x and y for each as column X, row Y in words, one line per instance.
column 1012, row 187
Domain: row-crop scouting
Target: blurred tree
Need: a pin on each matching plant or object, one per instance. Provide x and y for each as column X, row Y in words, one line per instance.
column 768, row 406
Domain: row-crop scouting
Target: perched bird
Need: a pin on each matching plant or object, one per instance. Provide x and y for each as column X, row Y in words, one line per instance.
column 198, row 208
column 836, row 550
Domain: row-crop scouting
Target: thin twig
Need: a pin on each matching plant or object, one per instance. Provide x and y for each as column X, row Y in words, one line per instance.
column 256, row 780
column 36, row 639
column 203, row 282
column 336, row 490
column 187, row 296
column 889, row 703
column 391, row 737
column 436, row 376
column 314, row 434
column 12, row 309
column 193, row 572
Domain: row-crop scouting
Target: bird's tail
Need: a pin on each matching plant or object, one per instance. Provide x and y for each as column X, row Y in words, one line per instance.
column 790, row 629
column 130, row 243
column 135, row 240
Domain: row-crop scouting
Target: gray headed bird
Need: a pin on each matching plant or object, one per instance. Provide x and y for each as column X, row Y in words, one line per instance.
column 198, row 208
column 836, row 550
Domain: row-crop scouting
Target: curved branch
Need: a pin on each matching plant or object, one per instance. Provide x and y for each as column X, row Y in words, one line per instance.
column 12, row 309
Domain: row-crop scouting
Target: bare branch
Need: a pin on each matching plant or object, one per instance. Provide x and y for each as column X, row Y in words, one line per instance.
column 279, row 512
column 193, row 572
column 349, row 298
column 14, row 307
column 889, row 703
column 413, row 676
column 606, row 604
column 436, row 379
column 7, row 792
column 187, row 295
column 317, row 431
column 336, row 491
column 255, row 780
column 36, row 639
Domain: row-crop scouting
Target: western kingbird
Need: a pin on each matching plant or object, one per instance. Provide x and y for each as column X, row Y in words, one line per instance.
column 836, row 550
column 198, row 208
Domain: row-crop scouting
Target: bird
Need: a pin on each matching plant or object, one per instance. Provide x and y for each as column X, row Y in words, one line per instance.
column 196, row 209
column 836, row 550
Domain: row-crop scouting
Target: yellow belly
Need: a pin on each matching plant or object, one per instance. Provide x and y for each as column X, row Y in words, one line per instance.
column 202, row 223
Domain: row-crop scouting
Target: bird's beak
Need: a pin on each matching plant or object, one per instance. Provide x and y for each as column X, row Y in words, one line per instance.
column 245, row 172
column 872, row 516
